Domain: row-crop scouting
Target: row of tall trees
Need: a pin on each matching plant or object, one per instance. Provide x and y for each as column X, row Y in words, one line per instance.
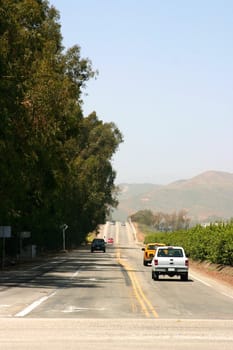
column 162, row 221
column 55, row 164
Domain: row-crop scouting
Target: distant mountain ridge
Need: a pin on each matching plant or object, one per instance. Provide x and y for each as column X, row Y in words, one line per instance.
column 205, row 196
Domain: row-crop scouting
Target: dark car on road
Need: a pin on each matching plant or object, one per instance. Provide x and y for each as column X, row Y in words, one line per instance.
column 98, row 244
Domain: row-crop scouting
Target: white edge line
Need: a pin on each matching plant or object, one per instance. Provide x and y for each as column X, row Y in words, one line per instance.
column 209, row 285
column 227, row 295
column 31, row 307
column 200, row 280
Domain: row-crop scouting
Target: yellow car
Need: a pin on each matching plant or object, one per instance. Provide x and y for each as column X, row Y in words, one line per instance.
column 149, row 252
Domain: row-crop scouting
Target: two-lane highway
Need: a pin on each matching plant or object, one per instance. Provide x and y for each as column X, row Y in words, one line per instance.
column 115, row 287
column 171, row 297
column 114, row 284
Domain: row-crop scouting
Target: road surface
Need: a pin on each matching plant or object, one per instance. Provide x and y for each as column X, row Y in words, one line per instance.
column 84, row 300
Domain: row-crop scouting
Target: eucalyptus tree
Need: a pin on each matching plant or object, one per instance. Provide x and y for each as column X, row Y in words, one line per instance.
column 93, row 173
column 55, row 164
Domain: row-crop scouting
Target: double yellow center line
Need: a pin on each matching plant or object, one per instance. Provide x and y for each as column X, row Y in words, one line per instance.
column 146, row 306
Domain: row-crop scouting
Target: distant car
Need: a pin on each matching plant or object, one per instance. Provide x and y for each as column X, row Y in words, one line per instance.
column 149, row 252
column 110, row 240
column 98, row 244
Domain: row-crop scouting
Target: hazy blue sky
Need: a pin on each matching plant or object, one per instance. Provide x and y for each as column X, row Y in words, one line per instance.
column 165, row 79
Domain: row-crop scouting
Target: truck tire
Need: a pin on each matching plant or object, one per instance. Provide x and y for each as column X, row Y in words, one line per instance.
column 155, row 276
column 184, row 276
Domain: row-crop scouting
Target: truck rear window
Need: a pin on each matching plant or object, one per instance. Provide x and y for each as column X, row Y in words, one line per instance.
column 170, row 252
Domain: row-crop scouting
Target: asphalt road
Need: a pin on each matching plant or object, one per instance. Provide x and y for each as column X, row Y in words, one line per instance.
column 84, row 300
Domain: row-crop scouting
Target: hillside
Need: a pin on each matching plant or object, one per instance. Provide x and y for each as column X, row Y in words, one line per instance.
column 206, row 196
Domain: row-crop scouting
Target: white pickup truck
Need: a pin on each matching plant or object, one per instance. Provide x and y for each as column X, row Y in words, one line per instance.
column 170, row 261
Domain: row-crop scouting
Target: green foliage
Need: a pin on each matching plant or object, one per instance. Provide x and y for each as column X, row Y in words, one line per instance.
column 143, row 217
column 213, row 243
column 55, row 164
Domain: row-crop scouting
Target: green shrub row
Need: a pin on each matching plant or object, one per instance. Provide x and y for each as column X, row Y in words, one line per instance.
column 213, row 243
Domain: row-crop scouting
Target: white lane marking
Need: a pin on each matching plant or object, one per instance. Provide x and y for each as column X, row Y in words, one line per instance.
column 38, row 302
column 75, row 274
column 133, row 230
column 75, row 309
column 200, row 280
column 4, row 305
column 35, row 304
column 227, row 295
column 117, row 233
column 209, row 285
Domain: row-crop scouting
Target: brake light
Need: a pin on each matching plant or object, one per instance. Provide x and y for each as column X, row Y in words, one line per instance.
column 186, row 262
column 155, row 261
